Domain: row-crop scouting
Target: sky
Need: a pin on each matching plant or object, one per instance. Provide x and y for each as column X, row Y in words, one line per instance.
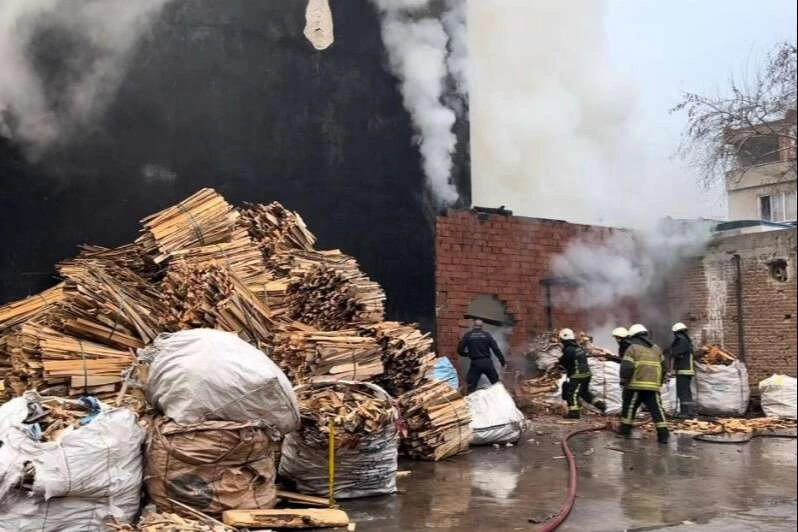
column 666, row 47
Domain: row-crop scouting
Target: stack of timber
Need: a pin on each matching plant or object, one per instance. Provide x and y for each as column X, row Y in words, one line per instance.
column 54, row 363
column 356, row 411
column 275, row 228
column 325, row 289
column 202, row 219
column 438, row 422
column 316, row 356
column 715, row 355
column 16, row 312
column 210, row 295
column 407, row 355
column 540, row 395
column 240, row 255
column 130, row 256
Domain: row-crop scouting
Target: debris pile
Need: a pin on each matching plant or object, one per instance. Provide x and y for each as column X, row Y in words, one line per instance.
column 714, row 355
column 730, row 425
column 541, row 395
column 545, row 350
column 437, row 422
column 407, row 355
column 362, row 419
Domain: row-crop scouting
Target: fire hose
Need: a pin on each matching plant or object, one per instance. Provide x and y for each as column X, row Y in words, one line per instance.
column 557, row 519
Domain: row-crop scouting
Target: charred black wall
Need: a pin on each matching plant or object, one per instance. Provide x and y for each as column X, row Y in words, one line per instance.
column 231, row 95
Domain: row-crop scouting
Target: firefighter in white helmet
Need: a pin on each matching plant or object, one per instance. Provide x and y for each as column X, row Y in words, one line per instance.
column 574, row 361
column 642, row 375
column 621, row 335
column 682, row 357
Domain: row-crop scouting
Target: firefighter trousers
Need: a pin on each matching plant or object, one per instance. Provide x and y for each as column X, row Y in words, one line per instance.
column 575, row 389
column 685, row 394
column 632, row 399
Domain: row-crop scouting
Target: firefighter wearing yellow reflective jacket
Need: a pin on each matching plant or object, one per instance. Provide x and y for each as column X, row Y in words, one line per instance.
column 682, row 353
column 574, row 361
column 642, row 375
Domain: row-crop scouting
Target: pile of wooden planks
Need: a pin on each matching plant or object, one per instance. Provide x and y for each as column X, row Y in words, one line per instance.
column 168, row 522
column 731, row 425
column 356, row 410
column 130, row 256
column 325, row 289
column 54, row 363
column 407, row 355
column 314, row 356
column 438, row 422
column 275, row 228
column 715, row 355
column 540, row 395
column 202, row 219
column 210, row 295
column 17, row 312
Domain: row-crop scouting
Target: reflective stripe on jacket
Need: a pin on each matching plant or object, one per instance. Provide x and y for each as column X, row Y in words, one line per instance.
column 646, row 365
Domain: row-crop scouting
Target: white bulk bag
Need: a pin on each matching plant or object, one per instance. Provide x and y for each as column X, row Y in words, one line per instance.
column 721, row 390
column 605, row 383
column 207, row 375
column 494, row 416
column 778, row 396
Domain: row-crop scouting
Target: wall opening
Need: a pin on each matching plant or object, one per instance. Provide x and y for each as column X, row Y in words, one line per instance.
column 499, row 323
column 778, row 270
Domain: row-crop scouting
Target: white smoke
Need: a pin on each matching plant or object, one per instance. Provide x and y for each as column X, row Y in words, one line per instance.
column 417, row 54
column 86, row 45
column 555, row 128
column 455, row 23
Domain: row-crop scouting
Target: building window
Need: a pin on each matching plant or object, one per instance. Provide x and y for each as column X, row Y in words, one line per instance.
column 779, row 207
column 778, row 270
column 759, row 149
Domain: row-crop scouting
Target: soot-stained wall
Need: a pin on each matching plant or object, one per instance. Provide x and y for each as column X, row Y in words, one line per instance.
column 232, row 95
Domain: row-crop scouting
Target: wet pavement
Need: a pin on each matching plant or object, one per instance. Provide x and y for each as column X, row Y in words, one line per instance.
column 623, row 485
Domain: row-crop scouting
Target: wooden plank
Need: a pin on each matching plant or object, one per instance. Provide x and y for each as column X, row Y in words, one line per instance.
column 287, row 518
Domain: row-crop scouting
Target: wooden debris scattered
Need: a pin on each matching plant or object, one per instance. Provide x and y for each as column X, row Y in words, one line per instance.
column 715, row 355
column 300, row 498
column 407, row 355
column 539, row 395
column 731, row 425
column 437, row 420
column 168, row 522
column 314, row 356
column 287, row 518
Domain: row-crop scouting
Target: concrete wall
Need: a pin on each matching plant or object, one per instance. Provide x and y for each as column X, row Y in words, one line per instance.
column 705, row 297
column 505, row 256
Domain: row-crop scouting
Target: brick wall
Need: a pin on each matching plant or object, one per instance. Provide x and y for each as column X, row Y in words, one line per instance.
column 705, row 297
column 505, row 256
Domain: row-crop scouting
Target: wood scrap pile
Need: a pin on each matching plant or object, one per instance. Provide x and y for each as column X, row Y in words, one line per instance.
column 540, row 395
column 325, row 289
column 130, row 256
column 314, row 356
column 275, row 228
column 55, row 417
column 168, row 522
column 210, row 295
column 202, row 219
column 356, row 411
column 17, row 312
column 544, row 350
column 438, row 422
column 407, row 355
column 714, row 355
column 730, row 425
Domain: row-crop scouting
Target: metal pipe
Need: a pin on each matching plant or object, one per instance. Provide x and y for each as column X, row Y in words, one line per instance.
column 549, row 317
column 739, row 296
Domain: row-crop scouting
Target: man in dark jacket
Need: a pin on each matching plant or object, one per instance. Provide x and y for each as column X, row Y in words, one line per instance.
column 574, row 361
column 682, row 354
column 477, row 345
column 642, row 375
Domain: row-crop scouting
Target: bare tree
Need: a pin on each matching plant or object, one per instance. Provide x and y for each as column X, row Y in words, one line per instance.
column 754, row 123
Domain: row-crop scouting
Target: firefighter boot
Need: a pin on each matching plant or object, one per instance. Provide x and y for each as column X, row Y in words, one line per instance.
column 662, row 435
column 625, row 430
column 572, row 414
column 601, row 405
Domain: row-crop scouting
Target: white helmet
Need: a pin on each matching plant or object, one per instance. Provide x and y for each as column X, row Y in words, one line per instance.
column 620, row 332
column 679, row 327
column 567, row 334
column 636, row 329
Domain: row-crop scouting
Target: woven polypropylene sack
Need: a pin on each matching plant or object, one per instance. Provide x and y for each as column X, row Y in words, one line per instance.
column 605, row 384
column 721, row 390
column 778, row 396
column 93, row 472
column 206, row 375
column 494, row 416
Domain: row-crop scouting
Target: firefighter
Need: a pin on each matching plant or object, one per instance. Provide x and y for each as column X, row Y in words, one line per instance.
column 642, row 375
column 574, row 361
column 682, row 353
column 621, row 335
column 477, row 345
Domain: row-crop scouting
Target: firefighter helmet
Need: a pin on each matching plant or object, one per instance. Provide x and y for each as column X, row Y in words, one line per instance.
column 620, row 332
column 567, row 334
column 636, row 329
column 679, row 327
